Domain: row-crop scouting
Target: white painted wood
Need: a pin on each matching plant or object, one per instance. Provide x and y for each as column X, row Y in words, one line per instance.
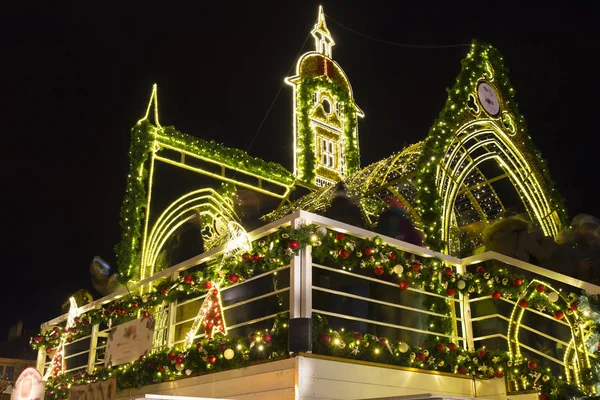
column 93, row 348
column 271, row 380
column 326, row 379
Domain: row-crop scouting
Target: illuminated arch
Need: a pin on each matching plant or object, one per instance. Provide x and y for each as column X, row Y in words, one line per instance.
column 483, row 140
column 214, row 210
column 576, row 358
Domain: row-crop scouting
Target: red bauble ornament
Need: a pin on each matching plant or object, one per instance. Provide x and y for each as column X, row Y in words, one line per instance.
column 325, row 338
column 378, row 270
column 246, row 257
column 56, row 334
column 160, row 369
column 254, row 258
column 532, row 365
column 267, row 338
column 392, row 256
column 517, row 282
column 480, row 270
column 85, row 322
column 440, row 347
column 558, row 314
column 142, row 357
column 420, row 357
column 135, row 305
column 498, row 373
column 403, row 285
column 69, row 339
column 448, row 271
column 523, row 303
column 496, row 295
column 198, row 345
column 48, row 350
column 540, row 288
column 344, row 254
column 145, row 314
column 450, row 291
column 233, row 278
column 416, row 266
column 462, row 370
column 481, row 353
column 293, row 244
column 188, row 279
column 452, row 346
column 574, row 306
column 358, row 336
column 163, row 290
column 207, row 285
column 222, row 347
column 367, row 251
column 339, row 236
column 179, row 360
column 211, row 359
column 170, row 356
column 76, row 320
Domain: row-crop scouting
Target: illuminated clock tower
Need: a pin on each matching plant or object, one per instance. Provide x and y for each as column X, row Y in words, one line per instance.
column 326, row 148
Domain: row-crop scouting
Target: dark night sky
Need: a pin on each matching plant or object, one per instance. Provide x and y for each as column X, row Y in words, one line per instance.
column 77, row 77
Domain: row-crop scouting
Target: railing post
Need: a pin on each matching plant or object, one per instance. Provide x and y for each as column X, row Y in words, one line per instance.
column 93, row 347
column 300, row 330
column 171, row 317
column 465, row 315
column 41, row 360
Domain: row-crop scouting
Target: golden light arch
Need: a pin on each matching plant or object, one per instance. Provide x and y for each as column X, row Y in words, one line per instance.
column 483, row 140
column 206, row 203
column 576, row 358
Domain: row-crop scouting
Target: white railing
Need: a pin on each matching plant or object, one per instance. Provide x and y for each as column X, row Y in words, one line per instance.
column 302, row 291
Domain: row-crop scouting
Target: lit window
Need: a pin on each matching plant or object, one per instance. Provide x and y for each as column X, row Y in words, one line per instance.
column 328, row 153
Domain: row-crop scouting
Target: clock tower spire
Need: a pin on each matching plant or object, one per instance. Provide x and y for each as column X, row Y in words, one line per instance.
column 323, row 40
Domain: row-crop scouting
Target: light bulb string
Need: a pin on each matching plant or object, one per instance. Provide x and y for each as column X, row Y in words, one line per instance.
column 413, row 46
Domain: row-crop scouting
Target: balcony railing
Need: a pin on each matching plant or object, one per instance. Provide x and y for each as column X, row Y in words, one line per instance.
column 356, row 301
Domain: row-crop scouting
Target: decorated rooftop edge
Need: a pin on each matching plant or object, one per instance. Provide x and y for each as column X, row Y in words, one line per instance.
column 481, row 102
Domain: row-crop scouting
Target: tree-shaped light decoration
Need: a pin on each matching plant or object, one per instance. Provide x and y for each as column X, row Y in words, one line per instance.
column 57, row 366
column 210, row 315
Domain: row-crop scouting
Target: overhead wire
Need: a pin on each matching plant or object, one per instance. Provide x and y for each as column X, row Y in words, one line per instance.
column 277, row 95
column 414, row 46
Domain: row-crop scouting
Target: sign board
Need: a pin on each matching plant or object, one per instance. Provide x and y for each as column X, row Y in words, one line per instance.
column 103, row 390
column 29, row 386
column 129, row 341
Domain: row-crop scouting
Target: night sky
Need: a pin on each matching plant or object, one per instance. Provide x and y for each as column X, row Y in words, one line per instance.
column 77, row 77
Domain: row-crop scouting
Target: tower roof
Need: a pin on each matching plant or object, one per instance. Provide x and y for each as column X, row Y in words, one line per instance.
column 321, row 26
column 323, row 40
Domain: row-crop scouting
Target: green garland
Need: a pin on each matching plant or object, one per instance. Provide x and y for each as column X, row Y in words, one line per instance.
column 344, row 252
column 340, row 91
column 454, row 114
column 133, row 208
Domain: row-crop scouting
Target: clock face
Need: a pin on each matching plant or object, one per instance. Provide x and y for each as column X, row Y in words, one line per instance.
column 488, row 98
